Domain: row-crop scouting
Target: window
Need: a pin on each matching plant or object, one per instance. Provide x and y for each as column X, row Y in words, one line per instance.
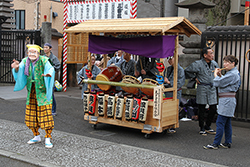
column 20, row 19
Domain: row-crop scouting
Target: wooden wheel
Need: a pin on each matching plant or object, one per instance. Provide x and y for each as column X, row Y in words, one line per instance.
column 147, row 135
column 94, row 126
column 246, row 55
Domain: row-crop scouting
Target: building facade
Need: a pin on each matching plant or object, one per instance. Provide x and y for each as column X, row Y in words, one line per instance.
column 30, row 14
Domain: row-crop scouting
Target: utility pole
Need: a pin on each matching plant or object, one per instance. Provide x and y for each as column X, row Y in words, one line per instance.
column 162, row 8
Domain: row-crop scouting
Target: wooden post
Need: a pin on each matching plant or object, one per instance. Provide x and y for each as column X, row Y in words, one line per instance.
column 89, row 67
column 175, row 66
column 105, row 62
column 246, row 19
column 71, row 75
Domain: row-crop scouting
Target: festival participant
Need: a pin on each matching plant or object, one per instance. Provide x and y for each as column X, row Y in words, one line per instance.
column 116, row 60
column 82, row 74
column 227, row 85
column 99, row 61
column 56, row 64
column 127, row 66
column 37, row 74
column 206, row 92
column 146, row 68
column 169, row 80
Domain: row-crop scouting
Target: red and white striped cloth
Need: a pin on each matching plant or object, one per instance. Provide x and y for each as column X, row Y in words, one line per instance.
column 64, row 84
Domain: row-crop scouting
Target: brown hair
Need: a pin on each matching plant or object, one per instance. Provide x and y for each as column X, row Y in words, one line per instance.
column 231, row 58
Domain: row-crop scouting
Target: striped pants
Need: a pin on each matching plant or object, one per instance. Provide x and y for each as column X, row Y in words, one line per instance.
column 38, row 116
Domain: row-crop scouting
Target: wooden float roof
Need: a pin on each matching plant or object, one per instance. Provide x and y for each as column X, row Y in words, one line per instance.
column 152, row 26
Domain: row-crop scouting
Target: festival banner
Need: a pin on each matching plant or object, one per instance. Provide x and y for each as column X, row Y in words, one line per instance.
column 101, row 9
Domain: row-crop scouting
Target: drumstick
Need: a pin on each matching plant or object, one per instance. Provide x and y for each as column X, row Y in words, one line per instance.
column 135, row 66
column 220, row 69
column 141, row 65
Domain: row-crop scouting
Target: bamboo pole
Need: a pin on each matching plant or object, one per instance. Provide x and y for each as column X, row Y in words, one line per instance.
column 118, row 84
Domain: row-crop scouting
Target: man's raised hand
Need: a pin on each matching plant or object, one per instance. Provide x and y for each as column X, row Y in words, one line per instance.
column 46, row 75
column 15, row 64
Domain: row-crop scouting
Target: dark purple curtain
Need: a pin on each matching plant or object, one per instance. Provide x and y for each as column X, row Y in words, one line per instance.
column 152, row 46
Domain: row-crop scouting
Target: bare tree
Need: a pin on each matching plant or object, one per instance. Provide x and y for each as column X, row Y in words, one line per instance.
column 218, row 13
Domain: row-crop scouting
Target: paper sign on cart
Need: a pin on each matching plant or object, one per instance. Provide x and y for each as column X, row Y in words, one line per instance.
column 157, row 102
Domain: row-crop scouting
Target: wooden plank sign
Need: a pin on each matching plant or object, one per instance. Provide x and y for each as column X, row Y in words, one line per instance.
column 157, row 102
column 77, row 48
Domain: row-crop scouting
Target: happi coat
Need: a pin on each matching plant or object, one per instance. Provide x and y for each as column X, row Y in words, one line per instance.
column 82, row 73
column 206, row 91
column 149, row 65
column 54, row 61
column 113, row 61
column 180, row 80
column 128, row 68
column 229, row 82
column 43, row 85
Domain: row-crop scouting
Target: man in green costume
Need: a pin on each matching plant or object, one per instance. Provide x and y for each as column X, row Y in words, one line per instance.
column 37, row 74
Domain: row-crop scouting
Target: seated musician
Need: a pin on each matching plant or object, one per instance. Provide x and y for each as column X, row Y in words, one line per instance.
column 116, row 60
column 82, row 74
column 127, row 66
column 146, row 68
column 100, row 61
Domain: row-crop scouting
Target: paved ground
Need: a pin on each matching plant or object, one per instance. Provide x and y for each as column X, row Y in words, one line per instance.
column 77, row 144
column 75, row 150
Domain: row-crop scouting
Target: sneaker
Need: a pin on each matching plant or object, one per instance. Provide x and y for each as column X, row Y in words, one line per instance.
column 211, row 146
column 172, row 130
column 34, row 140
column 211, row 131
column 225, row 145
column 203, row 133
column 48, row 144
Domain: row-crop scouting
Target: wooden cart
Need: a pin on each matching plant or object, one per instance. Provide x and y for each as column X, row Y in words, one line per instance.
column 162, row 114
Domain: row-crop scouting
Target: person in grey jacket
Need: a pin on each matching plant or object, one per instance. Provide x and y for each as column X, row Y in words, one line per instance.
column 228, row 85
column 116, row 60
column 169, row 78
column 82, row 75
column 56, row 64
column 127, row 66
column 169, row 81
column 202, row 70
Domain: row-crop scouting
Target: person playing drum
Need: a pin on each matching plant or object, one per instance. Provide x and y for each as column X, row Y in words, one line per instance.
column 116, row 60
column 82, row 74
column 146, row 68
column 127, row 66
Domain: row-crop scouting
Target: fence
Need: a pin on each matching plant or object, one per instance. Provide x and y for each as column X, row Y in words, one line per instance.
column 12, row 46
column 233, row 40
